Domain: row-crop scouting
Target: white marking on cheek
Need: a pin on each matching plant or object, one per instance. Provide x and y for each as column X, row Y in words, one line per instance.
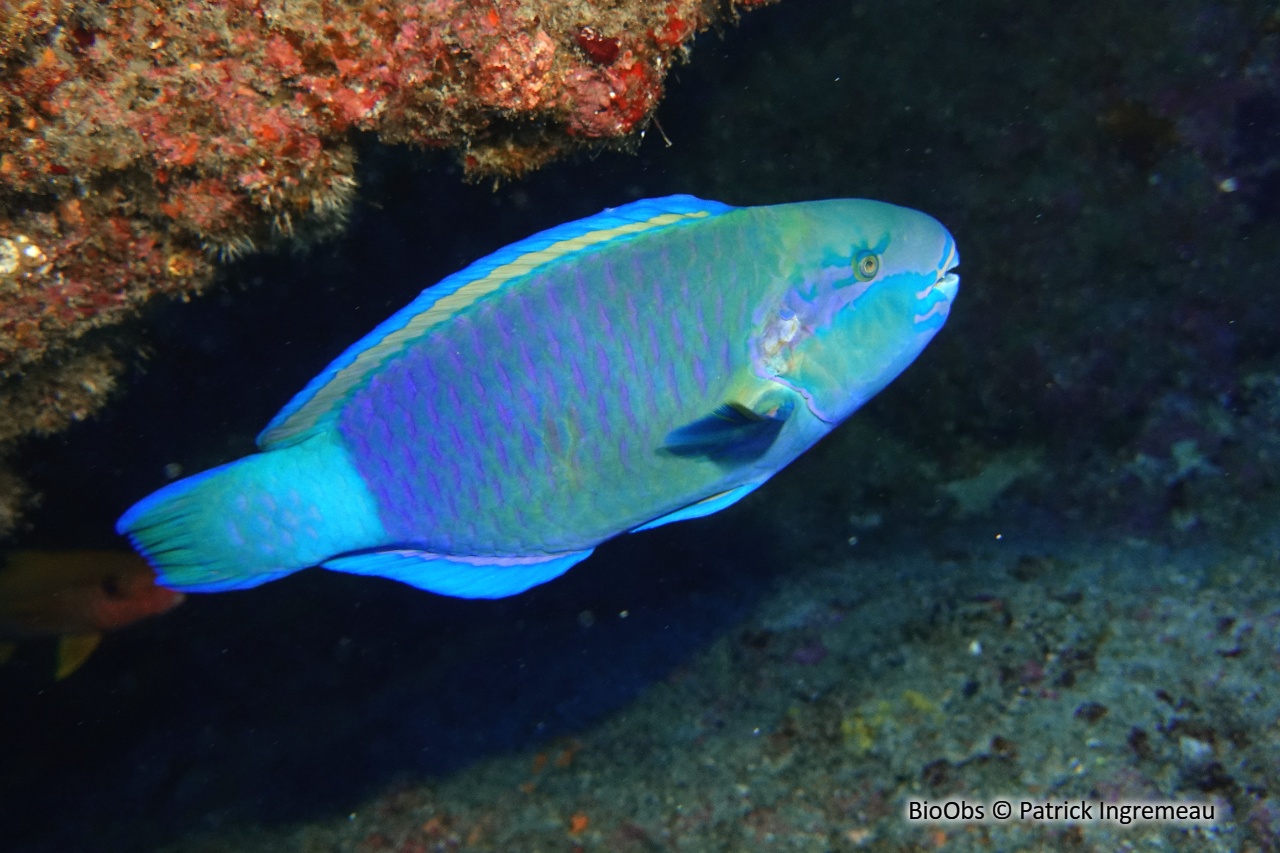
column 939, row 307
column 780, row 331
column 789, row 325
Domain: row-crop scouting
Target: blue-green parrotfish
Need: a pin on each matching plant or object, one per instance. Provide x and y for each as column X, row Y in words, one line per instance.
column 652, row 363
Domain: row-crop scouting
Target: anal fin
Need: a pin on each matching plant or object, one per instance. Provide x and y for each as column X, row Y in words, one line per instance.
column 706, row 506
column 460, row 577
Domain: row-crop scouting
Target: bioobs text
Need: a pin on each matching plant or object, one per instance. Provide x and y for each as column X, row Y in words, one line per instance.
column 950, row 810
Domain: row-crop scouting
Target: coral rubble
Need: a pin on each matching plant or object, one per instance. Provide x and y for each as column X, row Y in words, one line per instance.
column 143, row 141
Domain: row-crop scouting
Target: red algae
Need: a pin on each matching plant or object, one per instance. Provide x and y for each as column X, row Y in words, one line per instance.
column 144, row 141
column 601, row 49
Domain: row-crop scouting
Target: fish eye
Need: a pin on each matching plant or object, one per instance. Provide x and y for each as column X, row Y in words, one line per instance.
column 866, row 265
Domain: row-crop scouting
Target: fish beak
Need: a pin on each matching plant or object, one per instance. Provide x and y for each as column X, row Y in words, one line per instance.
column 948, row 285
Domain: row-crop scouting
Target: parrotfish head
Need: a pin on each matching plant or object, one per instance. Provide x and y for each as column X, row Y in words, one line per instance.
column 872, row 286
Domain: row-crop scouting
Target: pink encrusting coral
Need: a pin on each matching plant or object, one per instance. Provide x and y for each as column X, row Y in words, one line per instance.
column 143, row 141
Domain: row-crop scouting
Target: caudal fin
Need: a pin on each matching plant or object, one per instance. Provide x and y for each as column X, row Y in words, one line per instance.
column 254, row 520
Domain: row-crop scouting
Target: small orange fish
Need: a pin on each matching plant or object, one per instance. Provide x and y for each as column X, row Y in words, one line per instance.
column 76, row 595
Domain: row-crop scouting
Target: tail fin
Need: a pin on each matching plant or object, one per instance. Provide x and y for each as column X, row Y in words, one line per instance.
column 256, row 519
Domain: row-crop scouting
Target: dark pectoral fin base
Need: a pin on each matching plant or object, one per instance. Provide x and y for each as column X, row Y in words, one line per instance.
column 731, row 435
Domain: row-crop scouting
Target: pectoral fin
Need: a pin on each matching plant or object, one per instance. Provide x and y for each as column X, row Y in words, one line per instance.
column 734, row 434
column 73, row 651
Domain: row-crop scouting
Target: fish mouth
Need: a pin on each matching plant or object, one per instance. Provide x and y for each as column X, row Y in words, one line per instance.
column 948, row 283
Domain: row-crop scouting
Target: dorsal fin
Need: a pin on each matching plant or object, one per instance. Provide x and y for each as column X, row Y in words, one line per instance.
column 313, row 408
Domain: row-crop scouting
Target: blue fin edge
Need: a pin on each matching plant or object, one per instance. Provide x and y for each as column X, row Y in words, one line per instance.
column 460, row 577
column 706, row 506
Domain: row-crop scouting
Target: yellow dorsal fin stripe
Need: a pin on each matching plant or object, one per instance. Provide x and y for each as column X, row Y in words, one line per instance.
column 342, row 381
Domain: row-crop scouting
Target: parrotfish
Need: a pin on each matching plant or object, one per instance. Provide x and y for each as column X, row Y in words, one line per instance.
column 655, row 362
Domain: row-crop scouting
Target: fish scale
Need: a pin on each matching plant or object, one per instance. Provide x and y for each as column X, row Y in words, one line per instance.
column 650, row 364
column 671, row 396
